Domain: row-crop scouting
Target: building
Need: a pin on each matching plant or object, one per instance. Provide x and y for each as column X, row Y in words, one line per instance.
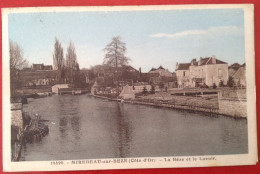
column 42, row 67
column 239, row 76
column 55, row 88
column 164, row 78
column 161, row 71
column 207, row 71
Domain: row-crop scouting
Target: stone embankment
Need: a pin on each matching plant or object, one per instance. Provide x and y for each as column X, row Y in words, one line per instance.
column 164, row 105
column 233, row 105
column 25, row 128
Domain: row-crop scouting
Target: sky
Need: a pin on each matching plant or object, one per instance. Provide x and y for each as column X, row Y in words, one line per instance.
column 153, row 38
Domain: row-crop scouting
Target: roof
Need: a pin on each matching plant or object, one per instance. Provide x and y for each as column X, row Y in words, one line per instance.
column 203, row 61
column 61, row 86
column 183, row 66
column 208, row 61
column 127, row 90
column 160, row 67
column 240, row 72
column 153, row 69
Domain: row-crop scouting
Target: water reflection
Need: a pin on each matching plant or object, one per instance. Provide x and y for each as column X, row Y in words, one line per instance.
column 68, row 108
column 124, row 131
column 84, row 127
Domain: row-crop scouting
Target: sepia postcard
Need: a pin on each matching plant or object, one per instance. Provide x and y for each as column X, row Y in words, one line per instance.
column 122, row 87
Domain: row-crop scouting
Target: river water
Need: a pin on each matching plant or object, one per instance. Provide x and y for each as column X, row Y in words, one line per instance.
column 85, row 127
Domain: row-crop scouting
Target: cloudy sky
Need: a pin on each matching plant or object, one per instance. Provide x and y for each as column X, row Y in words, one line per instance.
column 152, row 38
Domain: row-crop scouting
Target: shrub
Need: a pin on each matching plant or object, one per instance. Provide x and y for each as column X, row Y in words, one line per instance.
column 152, row 90
column 214, row 86
column 144, row 90
column 230, row 82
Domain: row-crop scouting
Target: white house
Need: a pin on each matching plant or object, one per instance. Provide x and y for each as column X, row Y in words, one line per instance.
column 55, row 88
column 207, row 71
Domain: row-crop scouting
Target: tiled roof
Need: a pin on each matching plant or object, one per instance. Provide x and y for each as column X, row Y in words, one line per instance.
column 160, row 67
column 153, row 69
column 203, row 61
column 183, row 66
column 208, row 61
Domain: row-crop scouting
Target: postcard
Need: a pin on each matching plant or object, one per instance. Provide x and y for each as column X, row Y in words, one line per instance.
column 122, row 87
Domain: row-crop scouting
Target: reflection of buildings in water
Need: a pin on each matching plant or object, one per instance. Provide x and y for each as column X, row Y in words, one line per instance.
column 124, row 132
column 68, row 109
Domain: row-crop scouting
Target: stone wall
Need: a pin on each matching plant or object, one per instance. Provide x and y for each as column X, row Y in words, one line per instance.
column 235, row 108
column 17, row 115
column 233, row 103
column 17, row 118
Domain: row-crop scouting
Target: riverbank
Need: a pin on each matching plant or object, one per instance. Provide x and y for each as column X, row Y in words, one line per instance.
column 25, row 128
column 165, row 104
column 209, row 104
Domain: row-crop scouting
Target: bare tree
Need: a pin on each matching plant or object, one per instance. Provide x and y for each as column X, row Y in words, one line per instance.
column 17, row 63
column 58, row 60
column 71, row 63
column 71, row 57
column 115, row 53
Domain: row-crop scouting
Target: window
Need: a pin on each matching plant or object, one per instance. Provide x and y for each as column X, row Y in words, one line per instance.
column 220, row 72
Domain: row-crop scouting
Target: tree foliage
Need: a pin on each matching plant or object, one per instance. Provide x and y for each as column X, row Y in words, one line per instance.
column 144, row 90
column 221, row 83
column 152, row 91
column 230, row 82
column 115, row 53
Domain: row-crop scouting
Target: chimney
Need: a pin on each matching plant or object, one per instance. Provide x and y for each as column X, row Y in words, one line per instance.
column 213, row 59
column 193, row 61
column 177, row 66
column 140, row 72
column 200, row 61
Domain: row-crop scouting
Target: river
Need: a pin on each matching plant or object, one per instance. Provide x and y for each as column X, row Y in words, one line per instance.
column 85, row 127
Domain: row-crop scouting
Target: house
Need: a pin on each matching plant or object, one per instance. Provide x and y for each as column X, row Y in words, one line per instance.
column 239, row 76
column 55, row 88
column 207, row 71
column 164, row 78
column 233, row 68
column 161, row 71
column 42, row 82
column 42, row 67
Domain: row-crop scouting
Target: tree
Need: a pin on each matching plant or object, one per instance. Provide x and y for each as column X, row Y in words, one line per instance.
column 17, row 63
column 161, row 86
column 71, row 63
column 115, row 53
column 230, row 82
column 145, row 90
column 214, row 86
column 58, row 60
column 221, row 83
column 152, row 90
